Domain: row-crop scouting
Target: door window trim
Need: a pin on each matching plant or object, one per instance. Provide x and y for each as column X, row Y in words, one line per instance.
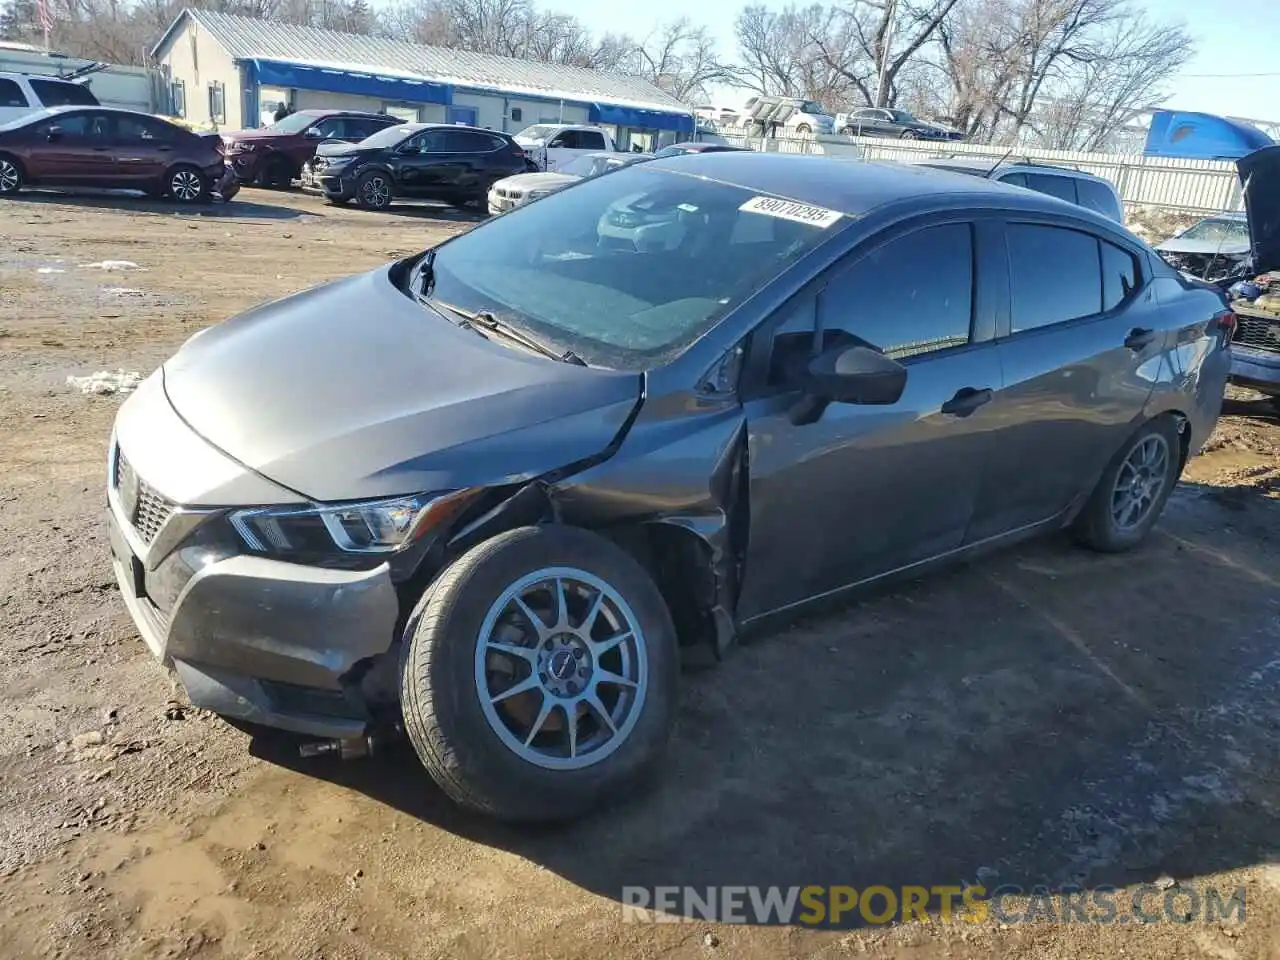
column 1004, row 329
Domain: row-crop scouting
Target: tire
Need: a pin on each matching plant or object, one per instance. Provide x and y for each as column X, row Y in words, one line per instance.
column 448, row 676
column 1275, row 403
column 373, row 191
column 12, row 175
column 185, row 184
column 804, row 128
column 1097, row 526
column 907, row 135
column 277, row 173
column 846, row 131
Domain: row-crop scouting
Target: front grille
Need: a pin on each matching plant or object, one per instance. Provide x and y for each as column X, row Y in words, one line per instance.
column 150, row 511
column 1257, row 333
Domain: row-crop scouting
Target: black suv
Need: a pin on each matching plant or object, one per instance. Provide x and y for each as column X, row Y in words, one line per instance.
column 429, row 161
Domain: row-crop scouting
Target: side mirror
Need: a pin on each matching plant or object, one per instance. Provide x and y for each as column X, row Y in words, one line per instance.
column 855, row 374
column 313, row 134
column 557, row 142
column 53, row 133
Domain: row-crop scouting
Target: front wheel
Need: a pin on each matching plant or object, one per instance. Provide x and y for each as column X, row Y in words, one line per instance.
column 1132, row 491
column 10, row 176
column 908, row 135
column 804, row 128
column 373, row 192
column 846, row 131
column 187, row 185
column 540, row 675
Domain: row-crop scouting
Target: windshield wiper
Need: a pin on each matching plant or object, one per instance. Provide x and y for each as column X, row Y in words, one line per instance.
column 483, row 321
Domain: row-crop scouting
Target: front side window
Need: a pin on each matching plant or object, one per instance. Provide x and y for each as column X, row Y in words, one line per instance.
column 1054, row 275
column 60, row 93
column 887, row 302
column 626, row 270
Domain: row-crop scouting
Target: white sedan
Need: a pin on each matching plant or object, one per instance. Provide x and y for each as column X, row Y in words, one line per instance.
column 514, row 191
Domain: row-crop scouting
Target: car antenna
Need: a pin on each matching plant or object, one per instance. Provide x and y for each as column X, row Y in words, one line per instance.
column 996, row 166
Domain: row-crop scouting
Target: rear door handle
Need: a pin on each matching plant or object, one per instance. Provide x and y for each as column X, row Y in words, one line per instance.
column 967, row 400
column 1139, row 338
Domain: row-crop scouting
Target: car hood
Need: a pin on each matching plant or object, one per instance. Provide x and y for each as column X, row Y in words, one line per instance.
column 353, row 390
column 341, row 148
column 1260, row 173
column 260, row 134
column 537, row 181
column 529, row 141
column 1205, row 247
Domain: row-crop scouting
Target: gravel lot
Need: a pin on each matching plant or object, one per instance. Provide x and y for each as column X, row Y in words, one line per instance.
column 1046, row 716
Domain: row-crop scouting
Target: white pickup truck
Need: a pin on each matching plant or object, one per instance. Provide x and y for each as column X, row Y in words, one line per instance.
column 552, row 145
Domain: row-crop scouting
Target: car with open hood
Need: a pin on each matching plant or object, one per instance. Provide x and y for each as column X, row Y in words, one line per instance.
column 275, row 155
column 1210, row 249
column 490, row 494
column 1255, row 350
column 512, row 192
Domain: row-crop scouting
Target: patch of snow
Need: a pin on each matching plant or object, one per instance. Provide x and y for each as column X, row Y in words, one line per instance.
column 50, row 270
column 122, row 291
column 104, row 382
column 112, row 265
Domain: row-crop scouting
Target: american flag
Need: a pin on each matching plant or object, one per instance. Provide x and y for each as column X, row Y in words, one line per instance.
column 45, row 15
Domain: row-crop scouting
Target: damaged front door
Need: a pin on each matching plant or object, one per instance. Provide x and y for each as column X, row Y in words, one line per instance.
column 867, row 489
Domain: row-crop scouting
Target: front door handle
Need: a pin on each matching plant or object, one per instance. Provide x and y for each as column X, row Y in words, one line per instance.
column 967, row 400
column 1139, row 338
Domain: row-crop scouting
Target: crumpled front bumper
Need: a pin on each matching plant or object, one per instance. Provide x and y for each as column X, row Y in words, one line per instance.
column 251, row 638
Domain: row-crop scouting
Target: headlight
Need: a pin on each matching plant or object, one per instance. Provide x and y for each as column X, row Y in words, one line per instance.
column 372, row 526
column 239, row 146
column 535, row 194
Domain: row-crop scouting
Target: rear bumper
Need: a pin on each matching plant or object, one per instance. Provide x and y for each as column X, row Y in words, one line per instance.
column 1259, row 369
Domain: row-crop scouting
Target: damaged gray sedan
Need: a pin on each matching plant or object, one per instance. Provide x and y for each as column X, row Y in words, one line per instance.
column 490, row 494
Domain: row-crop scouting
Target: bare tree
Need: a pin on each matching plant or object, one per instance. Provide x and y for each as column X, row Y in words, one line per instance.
column 794, row 52
column 680, row 58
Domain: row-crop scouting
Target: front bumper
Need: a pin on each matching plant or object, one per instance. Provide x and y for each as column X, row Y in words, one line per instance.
column 1259, row 369
column 251, row 638
column 245, row 165
column 500, row 203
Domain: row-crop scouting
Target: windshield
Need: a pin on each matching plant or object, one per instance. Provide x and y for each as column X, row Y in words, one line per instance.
column 389, row 136
column 538, row 131
column 1218, row 231
column 627, row 270
column 594, row 164
column 293, row 123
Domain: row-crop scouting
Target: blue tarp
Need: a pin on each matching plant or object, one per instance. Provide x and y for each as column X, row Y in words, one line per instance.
column 1201, row 136
column 281, row 73
column 644, row 119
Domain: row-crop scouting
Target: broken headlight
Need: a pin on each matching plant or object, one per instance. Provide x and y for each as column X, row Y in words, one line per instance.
column 371, row 526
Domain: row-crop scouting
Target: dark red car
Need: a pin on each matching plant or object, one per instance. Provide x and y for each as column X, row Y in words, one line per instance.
column 105, row 147
column 273, row 156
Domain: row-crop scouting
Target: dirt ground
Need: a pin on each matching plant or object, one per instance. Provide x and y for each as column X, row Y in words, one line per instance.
column 1044, row 717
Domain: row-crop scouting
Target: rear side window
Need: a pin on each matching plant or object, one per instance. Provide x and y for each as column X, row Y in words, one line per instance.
column 467, row 141
column 1054, row 275
column 1064, row 188
column 886, row 300
column 11, row 94
column 1099, row 197
column 590, row 140
column 357, row 128
column 143, row 129
column 59, row 93
column 1015, row 179
column 1120, row 276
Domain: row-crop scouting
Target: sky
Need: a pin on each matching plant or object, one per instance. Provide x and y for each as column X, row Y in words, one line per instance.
column 1231, row 35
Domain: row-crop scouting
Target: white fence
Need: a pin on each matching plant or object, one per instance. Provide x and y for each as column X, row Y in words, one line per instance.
column 1197, row 186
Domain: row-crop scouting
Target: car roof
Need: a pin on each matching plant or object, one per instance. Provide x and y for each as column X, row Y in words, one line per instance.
column 980, row 163
column 10, row 74
column 331, row 112
column 855, row 187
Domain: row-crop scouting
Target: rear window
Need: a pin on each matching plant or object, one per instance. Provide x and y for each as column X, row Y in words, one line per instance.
column 11, row 94
column 1098, row 197
column 60, row 93
column 1064, row 188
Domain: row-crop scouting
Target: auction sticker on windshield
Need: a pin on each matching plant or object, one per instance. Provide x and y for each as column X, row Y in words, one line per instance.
column 790, row 210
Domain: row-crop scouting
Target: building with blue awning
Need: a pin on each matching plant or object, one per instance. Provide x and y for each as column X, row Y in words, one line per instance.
column 231, row 72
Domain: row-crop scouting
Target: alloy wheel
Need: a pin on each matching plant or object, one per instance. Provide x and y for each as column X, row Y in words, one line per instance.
column 561, row 668
column 1139, row 482
column 375, row 192
column 185, row 185
column 9, row 176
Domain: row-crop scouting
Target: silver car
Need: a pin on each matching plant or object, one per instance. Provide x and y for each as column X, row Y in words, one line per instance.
column 512, row 192
column 492, row 493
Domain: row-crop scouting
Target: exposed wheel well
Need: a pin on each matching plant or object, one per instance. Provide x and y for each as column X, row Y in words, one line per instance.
column 680, row 564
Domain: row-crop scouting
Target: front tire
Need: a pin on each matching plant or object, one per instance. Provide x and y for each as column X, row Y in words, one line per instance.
column 540, row 675
column 373, row 192
column 908, row 135
column 186, row 184
column 1132, row 492
column 804, row 128
column 11, row 175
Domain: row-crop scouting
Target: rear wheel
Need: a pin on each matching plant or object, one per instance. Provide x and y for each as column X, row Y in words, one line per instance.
column 373, row 192
column 540, row 675
column 1132, row 491
column 908, row 135
column 10, row 175
column 187, row 185
column 846, row 131
column 804, row 128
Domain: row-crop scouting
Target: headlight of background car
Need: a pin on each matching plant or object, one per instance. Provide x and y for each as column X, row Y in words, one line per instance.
column 373, row 526
column 239, row 146
column 535, row 194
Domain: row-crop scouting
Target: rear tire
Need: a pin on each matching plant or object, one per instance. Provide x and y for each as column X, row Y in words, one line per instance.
column 373, row 192
column 545, row 752
column 187, row 185
column 804, row 128
column 908, row 135
column 846, row 131
column 1133, row 489
column 11, row 175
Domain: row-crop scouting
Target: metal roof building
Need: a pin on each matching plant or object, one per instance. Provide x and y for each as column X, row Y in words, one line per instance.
column 232, row 71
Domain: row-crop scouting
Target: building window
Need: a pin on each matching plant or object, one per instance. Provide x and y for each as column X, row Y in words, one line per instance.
column 517, row 114
column 217, row 102
column 179, row 98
